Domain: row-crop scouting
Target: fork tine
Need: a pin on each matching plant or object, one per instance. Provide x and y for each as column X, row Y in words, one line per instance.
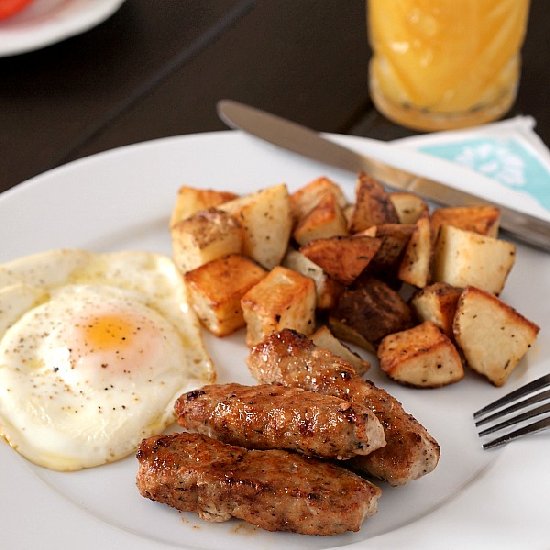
column 517, row 419
column 537, row 398
column 529, row 429
column 535, row 385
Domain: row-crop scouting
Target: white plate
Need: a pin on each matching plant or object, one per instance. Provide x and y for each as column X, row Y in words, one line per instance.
column 46, row 22
column 121, row 200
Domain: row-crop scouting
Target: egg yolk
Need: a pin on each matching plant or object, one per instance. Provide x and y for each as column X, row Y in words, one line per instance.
column 113, row 340
column 109, row 331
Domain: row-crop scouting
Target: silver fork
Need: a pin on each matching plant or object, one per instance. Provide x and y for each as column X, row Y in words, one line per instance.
column 523, row 400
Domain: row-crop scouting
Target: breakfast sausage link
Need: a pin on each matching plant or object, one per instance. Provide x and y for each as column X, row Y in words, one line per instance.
column 292, row 359
column 275, row 490
column 276, row 417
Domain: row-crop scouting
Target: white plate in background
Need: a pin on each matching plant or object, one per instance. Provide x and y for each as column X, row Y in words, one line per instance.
column 45, row 22
column 122, row 199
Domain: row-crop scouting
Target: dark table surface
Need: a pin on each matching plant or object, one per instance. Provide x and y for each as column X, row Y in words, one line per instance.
column 158, row 68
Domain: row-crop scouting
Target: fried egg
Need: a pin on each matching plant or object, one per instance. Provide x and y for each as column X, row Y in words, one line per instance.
column 94, row 350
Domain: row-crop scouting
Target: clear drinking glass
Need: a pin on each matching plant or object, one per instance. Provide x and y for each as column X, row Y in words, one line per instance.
column 442, row 64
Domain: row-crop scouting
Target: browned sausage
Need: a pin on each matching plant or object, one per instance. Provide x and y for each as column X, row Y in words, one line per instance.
column 292, row 359
column 275, row 490
column 276, row 417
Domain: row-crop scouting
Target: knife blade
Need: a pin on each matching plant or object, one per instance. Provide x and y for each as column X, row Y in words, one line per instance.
column 306, row 142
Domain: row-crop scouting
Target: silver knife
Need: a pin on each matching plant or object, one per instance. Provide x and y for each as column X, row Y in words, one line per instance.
column 306, row 142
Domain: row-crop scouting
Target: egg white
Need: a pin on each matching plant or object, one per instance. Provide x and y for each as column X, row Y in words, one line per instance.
column 94, row 349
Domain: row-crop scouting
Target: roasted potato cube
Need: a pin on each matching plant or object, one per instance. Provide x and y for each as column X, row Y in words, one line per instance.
column 437, row 303
column 323, row 338
column 372, row 205
column 415, row 265
column 421, row 356
column 190, row 200
column 344, row 331
column 408, row 206
column 283, row 299
column 343, row 258
column 364, row 316
column 395, row 237
column 266, row 221
column 492, row 335
column 324, row 221
column 348, row 213
column 463, row 258
column 307, row 197
column 205, row 236
column 327, row 289
column 216, row 290
column 482, row 219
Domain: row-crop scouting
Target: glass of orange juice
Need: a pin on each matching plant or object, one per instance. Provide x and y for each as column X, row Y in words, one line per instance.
column 443, row 64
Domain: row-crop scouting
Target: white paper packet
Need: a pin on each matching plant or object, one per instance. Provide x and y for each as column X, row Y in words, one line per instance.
column 509, row 152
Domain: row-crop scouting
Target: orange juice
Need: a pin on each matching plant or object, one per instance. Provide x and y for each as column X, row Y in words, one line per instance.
column 440, row 64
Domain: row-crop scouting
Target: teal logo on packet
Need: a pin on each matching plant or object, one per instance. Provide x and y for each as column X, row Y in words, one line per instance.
column 505, row 160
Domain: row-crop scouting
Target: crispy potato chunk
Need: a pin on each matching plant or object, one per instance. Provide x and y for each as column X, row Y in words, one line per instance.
column 216, row 290
column 307, row 197
column 482, row 219
column 408, row 206
column 421, row 356
column 327, row 289
column 463, row 258
column 283, row 299
column 372, row 205
column 190, row 200
column 323, row 338
column 415, row 265
column 492, row 335
column 364, row 316
column 348, row 213
column 344, row 331
column 343, row 258
column 203, row 237
column 324, row 221
column 437, row 303
column 266, row 221
column 395, row 237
